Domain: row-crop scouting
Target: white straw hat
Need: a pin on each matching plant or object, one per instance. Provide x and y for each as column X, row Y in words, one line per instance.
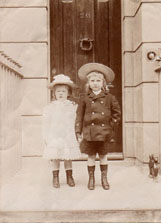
column 62, row 79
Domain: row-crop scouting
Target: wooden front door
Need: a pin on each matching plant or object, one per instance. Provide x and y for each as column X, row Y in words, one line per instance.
column 83, row 31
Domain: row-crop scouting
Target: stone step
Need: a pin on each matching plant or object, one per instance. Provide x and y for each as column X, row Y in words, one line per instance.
column 82, row 216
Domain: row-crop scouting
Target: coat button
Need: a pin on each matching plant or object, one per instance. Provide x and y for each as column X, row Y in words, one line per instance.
column 102, row 102
column 93, row 113
column 92, row 124
column 92, row 102
column 102, row 113
column 103, row 124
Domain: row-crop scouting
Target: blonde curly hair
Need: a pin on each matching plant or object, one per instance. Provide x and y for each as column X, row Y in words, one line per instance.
column 95, row 74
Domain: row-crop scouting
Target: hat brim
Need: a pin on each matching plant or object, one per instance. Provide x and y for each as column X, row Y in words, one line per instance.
column 52, row 85
column 90, row 67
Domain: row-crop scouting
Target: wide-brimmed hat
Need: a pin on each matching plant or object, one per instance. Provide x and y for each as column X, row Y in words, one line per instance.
column 101, row 68
column 62, row 80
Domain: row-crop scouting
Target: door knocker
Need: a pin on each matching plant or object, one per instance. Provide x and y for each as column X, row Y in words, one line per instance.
column 86, row 44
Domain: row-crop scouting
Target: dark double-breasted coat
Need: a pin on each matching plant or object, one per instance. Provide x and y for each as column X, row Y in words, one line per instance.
column 96, row 114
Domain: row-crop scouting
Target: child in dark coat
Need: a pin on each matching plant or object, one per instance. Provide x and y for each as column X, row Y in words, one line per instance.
column 98, row 111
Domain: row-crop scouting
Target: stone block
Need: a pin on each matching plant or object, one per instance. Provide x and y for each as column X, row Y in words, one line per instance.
column 127, row 34
column 129, row 71
column 130, row 7
column 146, row 24
column 31, row 56
column 10, row 162
column 35, row 96
column 147, row 140
column 146, row 103
column 137, row 29
column 32, row 142
column 137, row 60
column 151, row 24
column 139, row 141
column 148, row 66
column 144, row 69
column 151, row 140
column 129, row 104
column 22, row 3
column 129, row 144
column 150, row 102
column 138, row 104
column 23, row 24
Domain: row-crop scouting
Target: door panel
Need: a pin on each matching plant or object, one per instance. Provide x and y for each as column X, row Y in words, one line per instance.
column 115, row 62
column 68, row 39
column 85, row 31
column 102, row 32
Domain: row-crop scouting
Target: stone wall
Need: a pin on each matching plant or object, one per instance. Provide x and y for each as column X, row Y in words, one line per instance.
column 25, row 37
column 140, row 34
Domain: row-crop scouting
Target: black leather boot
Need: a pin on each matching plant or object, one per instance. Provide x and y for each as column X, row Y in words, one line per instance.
column 56, row 179
column 70, row 180
column 91, row 182
column 104, row 181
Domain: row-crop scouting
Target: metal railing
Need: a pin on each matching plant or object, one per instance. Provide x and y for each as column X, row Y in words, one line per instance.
column 10, row 101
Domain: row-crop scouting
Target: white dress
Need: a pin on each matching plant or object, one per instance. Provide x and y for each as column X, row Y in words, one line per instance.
column 58, row 131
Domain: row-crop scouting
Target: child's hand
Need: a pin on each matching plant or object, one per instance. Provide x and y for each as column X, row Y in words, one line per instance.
column 79, row 137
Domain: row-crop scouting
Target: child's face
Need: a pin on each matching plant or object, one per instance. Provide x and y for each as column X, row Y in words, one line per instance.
column 95, row 82
column 61, row 92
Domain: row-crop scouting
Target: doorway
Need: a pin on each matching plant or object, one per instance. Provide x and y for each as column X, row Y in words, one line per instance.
column 83, row 31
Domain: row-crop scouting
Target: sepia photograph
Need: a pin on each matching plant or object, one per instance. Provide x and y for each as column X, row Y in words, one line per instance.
column 80, row 111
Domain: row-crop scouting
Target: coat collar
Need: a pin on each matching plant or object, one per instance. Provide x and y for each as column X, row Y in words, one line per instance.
column 100, row 95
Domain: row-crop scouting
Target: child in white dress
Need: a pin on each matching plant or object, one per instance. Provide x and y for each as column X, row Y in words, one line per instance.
column 58, row 129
